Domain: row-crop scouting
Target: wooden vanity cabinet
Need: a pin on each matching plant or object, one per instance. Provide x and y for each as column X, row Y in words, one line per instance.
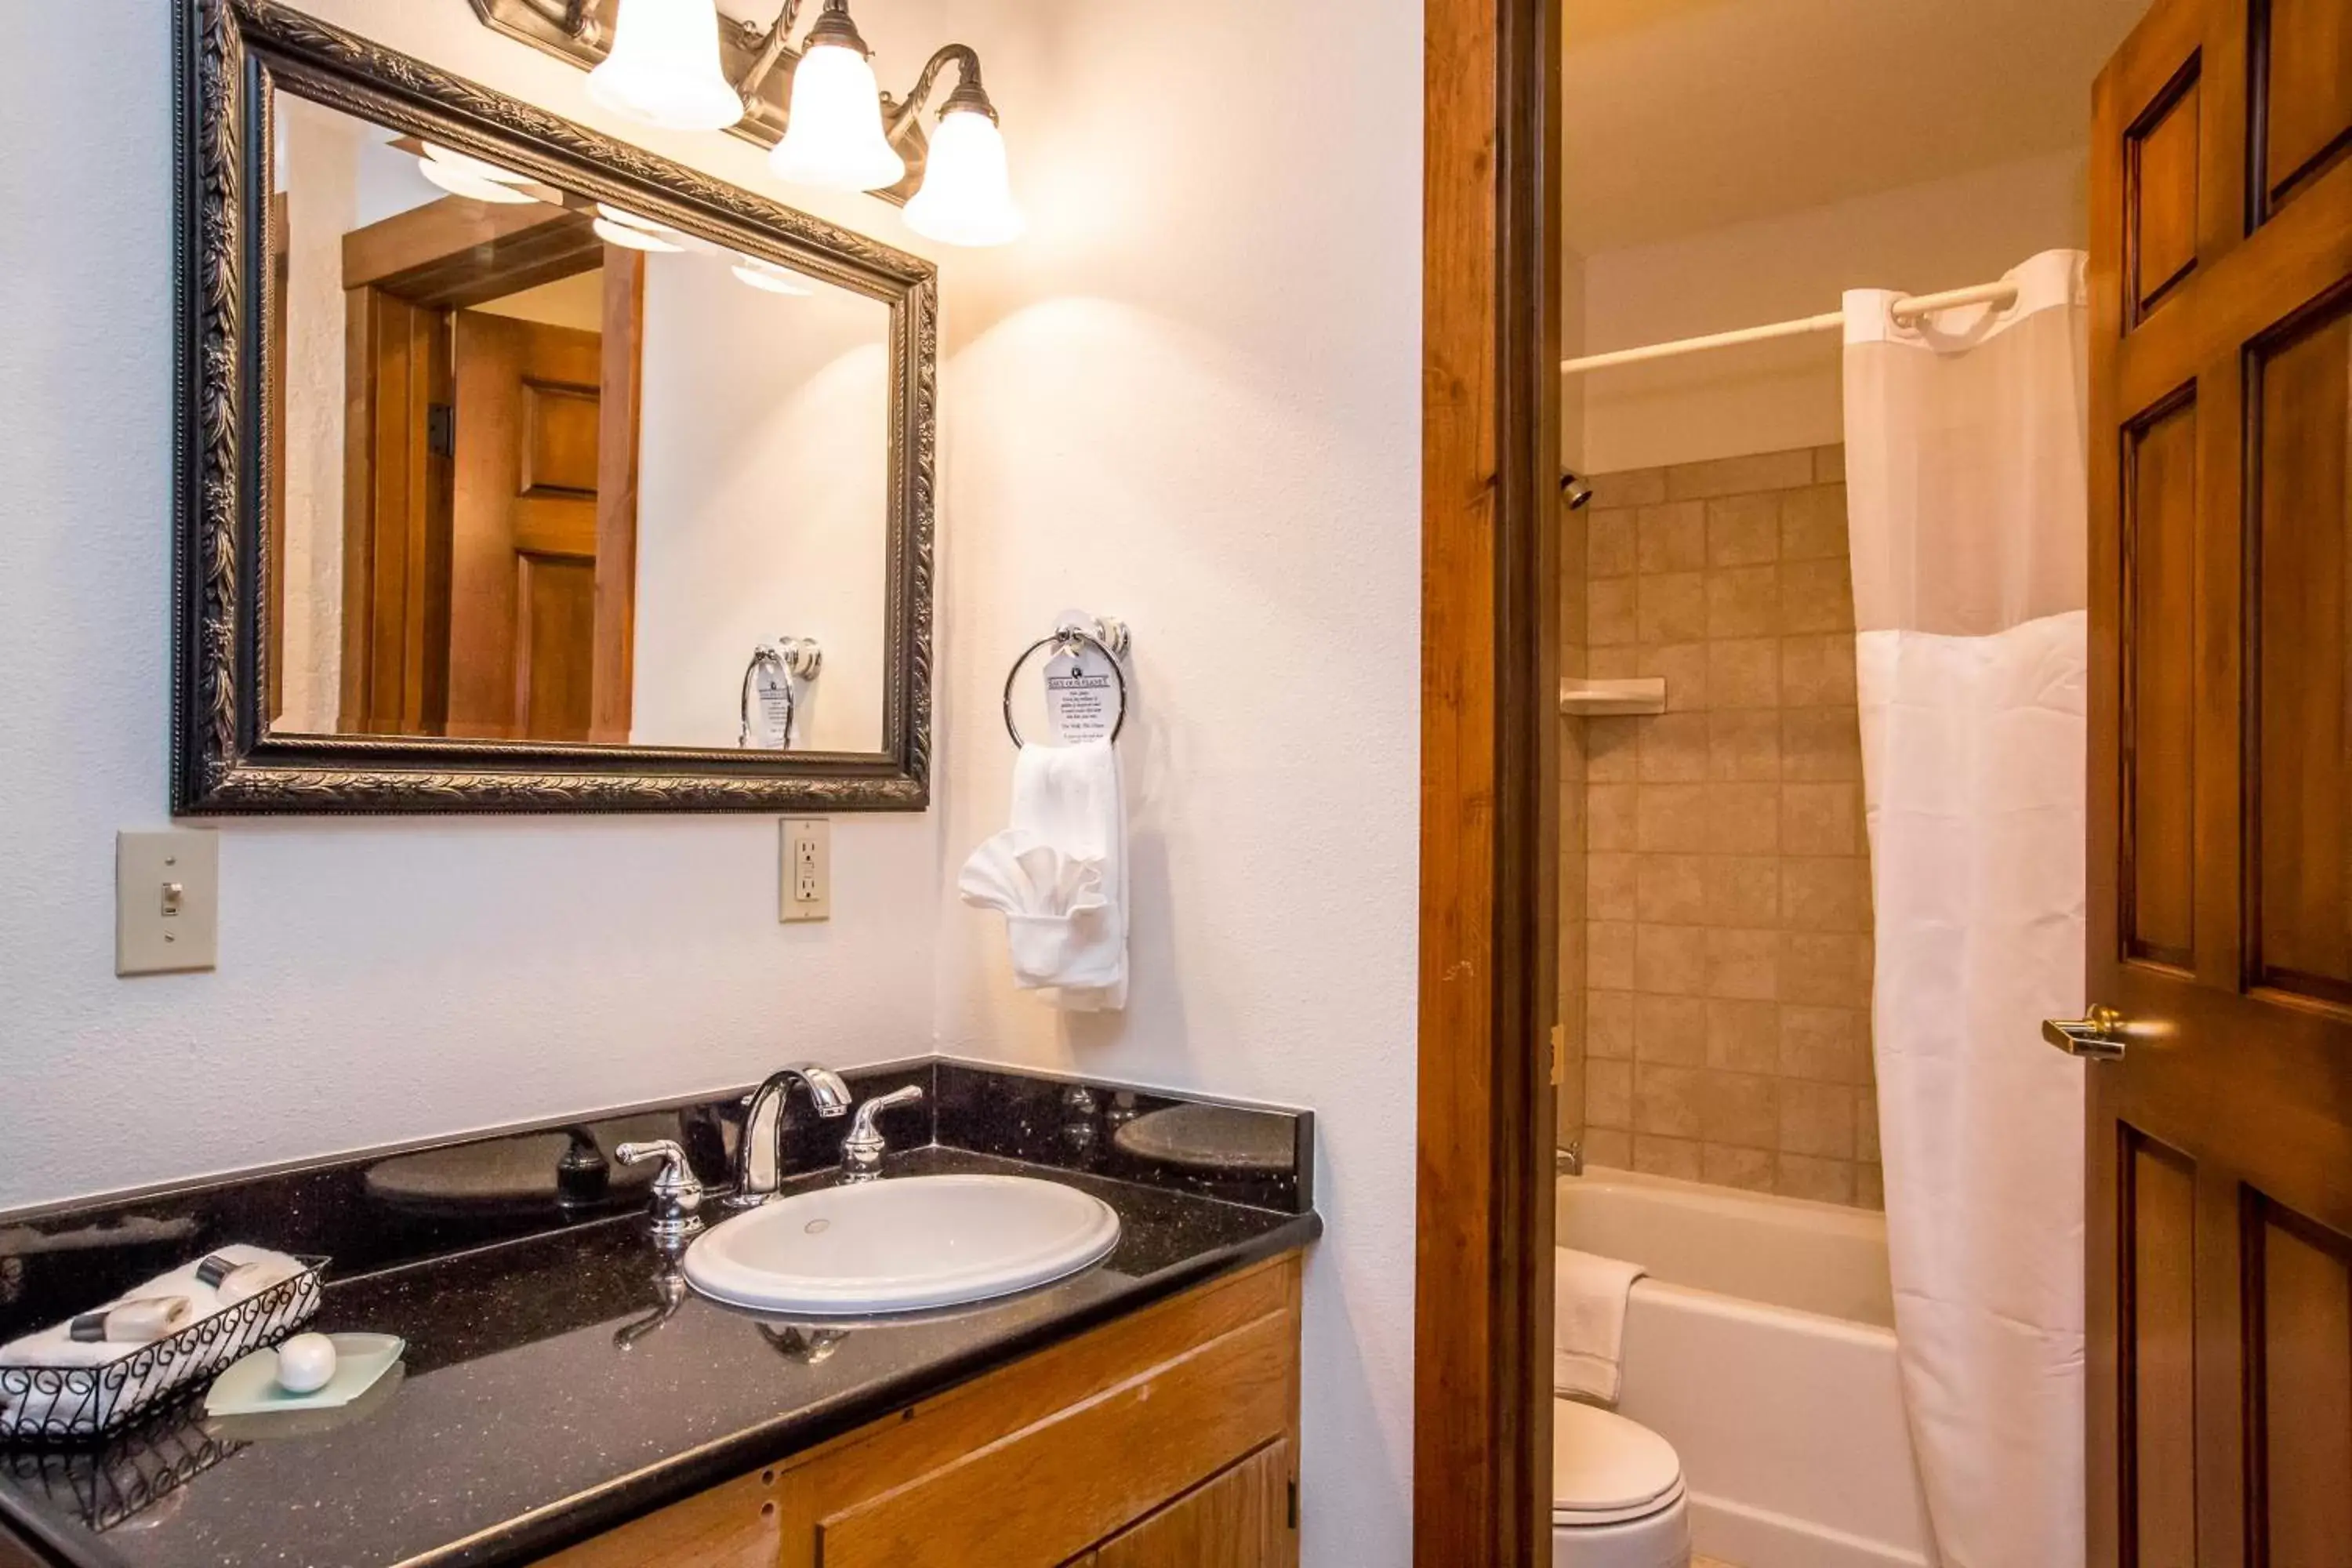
column 1168, row 1439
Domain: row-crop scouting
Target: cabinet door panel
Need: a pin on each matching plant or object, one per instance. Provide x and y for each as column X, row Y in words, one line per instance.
column 1037, row 1497
column 1240, row 1519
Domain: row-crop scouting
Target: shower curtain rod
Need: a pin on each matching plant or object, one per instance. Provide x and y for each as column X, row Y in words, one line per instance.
column 2003, row 294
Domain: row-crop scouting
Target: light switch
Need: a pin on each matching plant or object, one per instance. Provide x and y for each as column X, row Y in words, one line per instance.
column 166, row 902
column 806, row 890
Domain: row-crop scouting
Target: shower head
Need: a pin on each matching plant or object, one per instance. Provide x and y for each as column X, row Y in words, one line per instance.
column 1573, row 490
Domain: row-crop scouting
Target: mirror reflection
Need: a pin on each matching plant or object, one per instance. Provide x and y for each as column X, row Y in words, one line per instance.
column 545, row 469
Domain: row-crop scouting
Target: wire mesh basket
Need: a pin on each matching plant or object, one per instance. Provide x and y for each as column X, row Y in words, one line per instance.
column 50, row 1405
column 104, row 1485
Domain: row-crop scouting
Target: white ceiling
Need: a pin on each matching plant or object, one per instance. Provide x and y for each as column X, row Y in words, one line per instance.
column 1685, row 115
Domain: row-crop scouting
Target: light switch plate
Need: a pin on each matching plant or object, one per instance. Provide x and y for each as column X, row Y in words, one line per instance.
column 805, row 884
column 166, row 902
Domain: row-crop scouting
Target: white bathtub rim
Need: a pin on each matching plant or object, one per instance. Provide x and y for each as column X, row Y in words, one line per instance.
column 1741, row 1308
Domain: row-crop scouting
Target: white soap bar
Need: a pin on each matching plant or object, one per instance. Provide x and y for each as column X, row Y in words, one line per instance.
column 306, row 1363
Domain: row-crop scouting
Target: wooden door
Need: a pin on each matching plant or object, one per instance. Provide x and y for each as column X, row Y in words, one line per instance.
column 1238, row 1520
column 396, row 478
column 2219, row 1151
column 522, row 617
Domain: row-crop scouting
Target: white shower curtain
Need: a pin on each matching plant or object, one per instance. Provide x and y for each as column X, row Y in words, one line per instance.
column 1966, row 493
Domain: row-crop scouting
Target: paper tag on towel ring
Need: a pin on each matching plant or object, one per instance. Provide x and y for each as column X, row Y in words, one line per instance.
column 1081, row 704
column 1081, row 689
column 771, row 710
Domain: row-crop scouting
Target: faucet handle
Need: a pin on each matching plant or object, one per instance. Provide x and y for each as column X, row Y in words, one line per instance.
column 676, row 1193
column 862, row 1150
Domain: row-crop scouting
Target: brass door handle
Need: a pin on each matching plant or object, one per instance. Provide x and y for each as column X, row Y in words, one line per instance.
column 2098, row 1038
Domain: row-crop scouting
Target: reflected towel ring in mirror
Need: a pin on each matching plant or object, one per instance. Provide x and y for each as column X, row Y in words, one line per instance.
column 779, row 661
column 1066, row 638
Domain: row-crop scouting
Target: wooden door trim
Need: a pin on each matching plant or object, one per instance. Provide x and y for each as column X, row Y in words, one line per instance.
column 614, row 679
column 1482, row 1487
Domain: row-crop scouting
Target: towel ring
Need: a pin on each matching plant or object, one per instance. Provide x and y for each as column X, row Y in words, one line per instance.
column 1068, row 638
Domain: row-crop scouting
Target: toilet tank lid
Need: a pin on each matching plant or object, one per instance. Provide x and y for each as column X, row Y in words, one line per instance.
column 1602, row 1462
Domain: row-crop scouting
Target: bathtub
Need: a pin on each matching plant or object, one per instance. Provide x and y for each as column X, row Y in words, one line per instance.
column 1761, row 1345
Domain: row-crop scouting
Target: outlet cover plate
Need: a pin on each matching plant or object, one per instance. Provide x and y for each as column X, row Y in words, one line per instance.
column 804, row 878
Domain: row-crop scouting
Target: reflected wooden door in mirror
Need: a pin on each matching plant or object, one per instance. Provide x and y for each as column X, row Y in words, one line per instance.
column 523, row 470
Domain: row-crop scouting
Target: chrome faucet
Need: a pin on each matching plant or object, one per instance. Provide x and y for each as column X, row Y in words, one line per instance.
column 862, row 1150
column 760, row 1158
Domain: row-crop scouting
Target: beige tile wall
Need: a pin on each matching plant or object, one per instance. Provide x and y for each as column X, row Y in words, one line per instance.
column 1726, row 892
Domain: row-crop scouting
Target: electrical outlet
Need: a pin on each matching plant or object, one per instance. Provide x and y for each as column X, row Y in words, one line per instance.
column 806, row 890
column 166, row 902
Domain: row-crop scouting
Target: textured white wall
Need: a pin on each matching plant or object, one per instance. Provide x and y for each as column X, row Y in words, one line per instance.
column 1190, row 399
column 1769, row 397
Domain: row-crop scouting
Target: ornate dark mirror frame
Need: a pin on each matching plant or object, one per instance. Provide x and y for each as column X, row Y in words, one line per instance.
column 230, row 56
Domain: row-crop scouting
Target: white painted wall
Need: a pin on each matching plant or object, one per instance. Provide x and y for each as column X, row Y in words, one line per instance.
column 1190, row 399
column 762, row 503
column 319, row 159
column 1768, row 397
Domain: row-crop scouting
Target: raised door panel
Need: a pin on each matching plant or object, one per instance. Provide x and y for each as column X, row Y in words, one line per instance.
column 2302, row 791
column 1239, row 1519
column 2299, row 1285
column 2161, row 156
column 2160, row 561
column 2158, row 1191
column 2303, row 60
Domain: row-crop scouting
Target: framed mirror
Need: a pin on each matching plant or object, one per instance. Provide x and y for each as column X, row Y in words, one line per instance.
column 521, row 469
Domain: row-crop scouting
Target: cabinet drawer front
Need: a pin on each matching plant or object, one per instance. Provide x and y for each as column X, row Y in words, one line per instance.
column 1044, row 1494
column 733, row 1526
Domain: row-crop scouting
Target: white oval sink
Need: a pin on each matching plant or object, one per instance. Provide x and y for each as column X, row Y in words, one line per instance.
column 901, row 1246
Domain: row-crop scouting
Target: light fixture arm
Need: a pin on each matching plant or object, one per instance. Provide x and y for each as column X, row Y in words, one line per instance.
column 573, row 17
column 772, row 47
column 968, row 94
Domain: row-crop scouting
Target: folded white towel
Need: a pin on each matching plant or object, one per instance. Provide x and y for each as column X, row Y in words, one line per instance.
column 1058, row 872
column 1588, row 1347
column 214, row 1283
column 220, row 1279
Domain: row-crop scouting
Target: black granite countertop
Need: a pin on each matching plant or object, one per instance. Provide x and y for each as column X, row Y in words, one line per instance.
column 562, row 1383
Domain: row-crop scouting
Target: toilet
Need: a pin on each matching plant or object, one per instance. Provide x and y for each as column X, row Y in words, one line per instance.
column 1617, row 1493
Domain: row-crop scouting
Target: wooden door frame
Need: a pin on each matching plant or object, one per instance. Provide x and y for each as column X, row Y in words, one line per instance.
column 1489, row 858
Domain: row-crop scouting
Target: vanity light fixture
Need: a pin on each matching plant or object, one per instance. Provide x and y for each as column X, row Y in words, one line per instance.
column 967, row 195
column 471, row 177
column 615, row 225
column 833, row 137
column 769, row 278
column 816, row 103
column 664, row 69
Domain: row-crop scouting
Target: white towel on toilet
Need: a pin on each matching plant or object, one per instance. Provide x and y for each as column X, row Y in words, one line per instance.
column 1058, row 872
column 1588, row 1346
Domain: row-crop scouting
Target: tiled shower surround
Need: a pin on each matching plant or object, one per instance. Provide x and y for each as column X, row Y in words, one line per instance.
column 1726, row 897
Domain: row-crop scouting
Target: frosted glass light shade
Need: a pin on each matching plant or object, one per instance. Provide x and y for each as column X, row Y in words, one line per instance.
column 967, row 195
column 664, row 69
column 460, row 181
column 769, row 278
column 467, row 164
column 834, row 136
column 629, row 231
